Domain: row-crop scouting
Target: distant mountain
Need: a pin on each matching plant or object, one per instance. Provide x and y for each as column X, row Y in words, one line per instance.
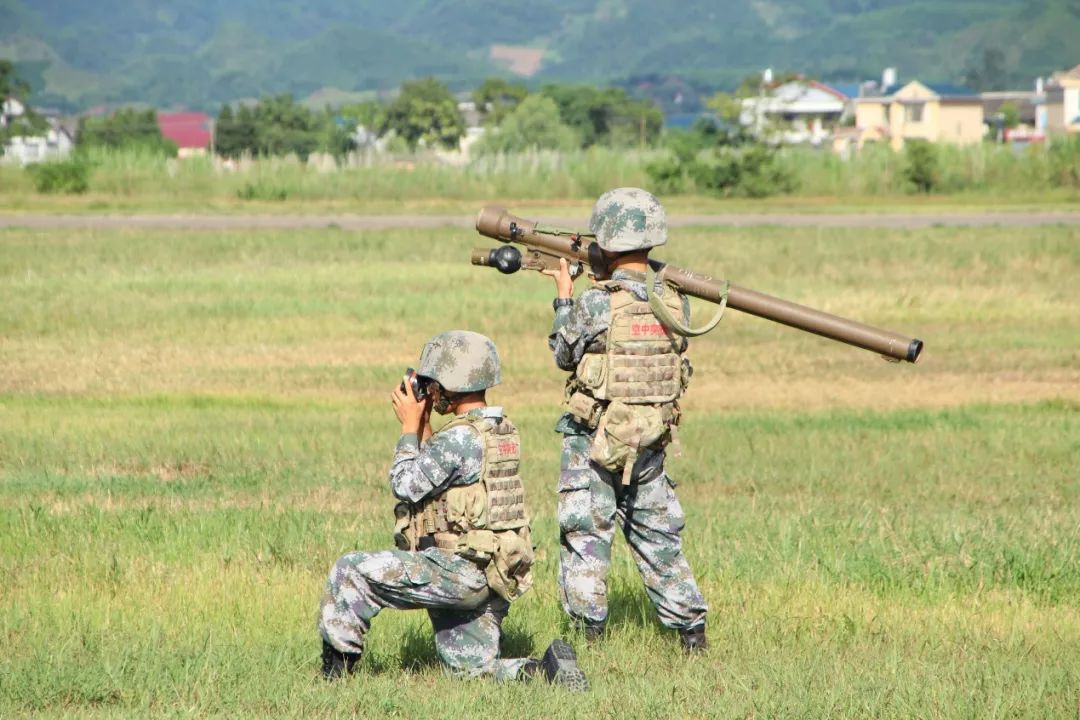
column 200, row 53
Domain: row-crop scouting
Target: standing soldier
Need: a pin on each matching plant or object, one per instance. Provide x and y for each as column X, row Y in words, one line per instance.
column 465, row 551
column 627, row 373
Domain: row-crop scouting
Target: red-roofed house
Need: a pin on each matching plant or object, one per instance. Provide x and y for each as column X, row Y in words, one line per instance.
column 191, row 131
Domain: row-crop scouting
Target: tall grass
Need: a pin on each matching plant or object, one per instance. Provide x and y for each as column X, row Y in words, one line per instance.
column 144, row 179
column 538, row 175
column 990, row 169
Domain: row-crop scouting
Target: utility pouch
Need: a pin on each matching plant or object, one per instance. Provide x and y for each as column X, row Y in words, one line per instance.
column 405, row 536
column 586, row 409
column 509, row 574
column 623, row 430
column 477, row 545
column 592, row 371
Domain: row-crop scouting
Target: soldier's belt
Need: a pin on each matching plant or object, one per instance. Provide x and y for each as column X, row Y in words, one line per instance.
column 474, row 545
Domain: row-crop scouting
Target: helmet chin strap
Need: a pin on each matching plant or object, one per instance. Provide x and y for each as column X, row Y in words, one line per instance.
column 442, row 403
column 598, row 262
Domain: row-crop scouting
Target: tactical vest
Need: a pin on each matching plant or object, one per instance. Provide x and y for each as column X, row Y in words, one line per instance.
column 485, row 521
column 628, row 393
column 642, row 363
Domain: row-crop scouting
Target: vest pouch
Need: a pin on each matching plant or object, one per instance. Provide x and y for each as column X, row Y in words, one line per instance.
column 509, row 574
column 686, row 371
column 592, row 371
column 404, row 529
column 586, row 409
column 623, row 430
column 466, row 507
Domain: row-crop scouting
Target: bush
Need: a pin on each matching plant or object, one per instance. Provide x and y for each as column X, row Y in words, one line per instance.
column 921, row 168
column 749, row 170
column 533, row 125
column 666, row 175
column 1063, row 157
column 260, row 190
column 125, row 128
column 62, row 176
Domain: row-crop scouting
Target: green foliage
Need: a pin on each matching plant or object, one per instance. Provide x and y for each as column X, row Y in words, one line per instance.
column 497, row 97
column 279, row 125
column 989, row 72
column 1064, row 161
column 11, row 85
column 61, row 176
column 1010, row 114
column 720, row 160
column 283, row 126
column 263, row 190
column 425, row 111
column 129, row 181
column 921, row 167
column 14, row 86
column 667, row 175
column 370, row 113
column 606, row 116
column 125, row 128
column 217, row 54
column 234, row 133
column 533, row 125
column 748, row 170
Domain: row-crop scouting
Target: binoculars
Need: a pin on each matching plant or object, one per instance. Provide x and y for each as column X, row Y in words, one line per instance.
column 419, row 384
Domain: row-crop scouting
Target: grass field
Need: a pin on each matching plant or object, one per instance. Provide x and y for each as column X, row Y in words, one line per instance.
column 127, row 181
column 194, row 425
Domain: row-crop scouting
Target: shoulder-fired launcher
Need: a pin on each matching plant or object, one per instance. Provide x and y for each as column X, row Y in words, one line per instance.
column 544, row 246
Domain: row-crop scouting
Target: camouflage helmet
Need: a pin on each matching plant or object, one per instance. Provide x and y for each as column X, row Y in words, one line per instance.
column 627, row 219
column 460, row 361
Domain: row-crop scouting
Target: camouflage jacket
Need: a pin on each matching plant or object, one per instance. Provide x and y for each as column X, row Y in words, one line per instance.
column 582, row 327
column 450, row 457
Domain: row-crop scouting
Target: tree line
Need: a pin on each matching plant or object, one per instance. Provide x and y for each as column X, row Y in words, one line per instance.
column 425, row 114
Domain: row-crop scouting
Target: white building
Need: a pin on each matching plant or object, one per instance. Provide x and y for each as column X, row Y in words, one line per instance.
column 1058, row 103
column 796, row 112
column 54, row 143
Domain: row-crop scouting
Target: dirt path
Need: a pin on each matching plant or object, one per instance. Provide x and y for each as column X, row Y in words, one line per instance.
column 383, row 222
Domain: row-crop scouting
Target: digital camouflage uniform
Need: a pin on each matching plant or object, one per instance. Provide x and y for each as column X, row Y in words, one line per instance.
column 465, row 613
column 593, row 498
column 464, row 549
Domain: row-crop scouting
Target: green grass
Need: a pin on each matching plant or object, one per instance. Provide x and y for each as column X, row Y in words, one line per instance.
column 194, row 425
column 130, row 181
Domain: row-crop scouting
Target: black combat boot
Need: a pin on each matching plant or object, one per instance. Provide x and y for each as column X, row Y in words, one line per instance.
column 336, row 663
column 558, row 666
column 592, row 631
column 693, row 639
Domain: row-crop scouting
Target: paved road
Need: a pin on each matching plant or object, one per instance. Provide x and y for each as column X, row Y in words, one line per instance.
column 383, row 222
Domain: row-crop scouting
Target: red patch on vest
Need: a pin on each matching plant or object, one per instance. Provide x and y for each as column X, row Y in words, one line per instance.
column 640, row 329
column 507, row 447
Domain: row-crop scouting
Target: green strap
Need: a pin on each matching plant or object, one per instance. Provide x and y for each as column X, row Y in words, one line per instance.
column 554, row 230
column 671, row 322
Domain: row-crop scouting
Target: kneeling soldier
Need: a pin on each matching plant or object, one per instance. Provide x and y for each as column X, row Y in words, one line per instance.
column 465, row 551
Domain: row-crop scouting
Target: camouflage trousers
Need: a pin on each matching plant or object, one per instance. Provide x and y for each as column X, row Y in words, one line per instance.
column 466, row 615
column 591, row 500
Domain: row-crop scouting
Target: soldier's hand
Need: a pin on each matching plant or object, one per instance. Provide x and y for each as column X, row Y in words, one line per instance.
column 409, row 410
column 564, row 281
